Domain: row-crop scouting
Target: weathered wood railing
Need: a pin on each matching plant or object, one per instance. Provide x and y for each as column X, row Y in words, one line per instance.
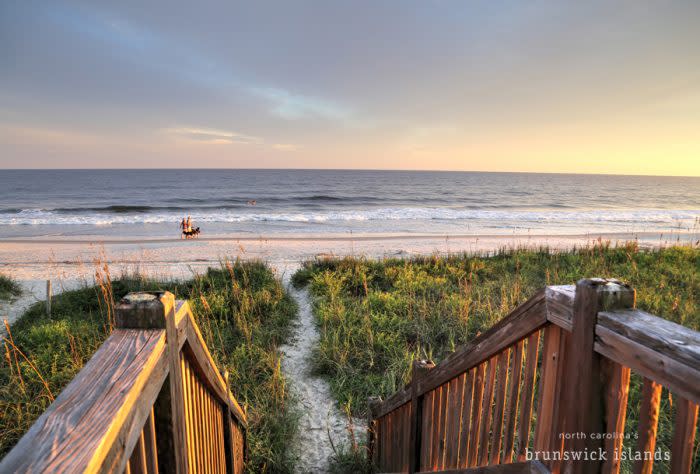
column 150, row 400
column 548, row 381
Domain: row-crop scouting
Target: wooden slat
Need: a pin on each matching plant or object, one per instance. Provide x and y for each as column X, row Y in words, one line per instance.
column 676, row 376
column 499, row 407
column 444, row 392
column 683, row 436
column 466, row 422
column 617, row 379
column 527, row 395
column 426, row 431
column 137, row 460
column 648, row 421
column 476, row 415
column 455, row 422
column 512, row 404
column 548, row 388
column 151, row 444
column 486, row 412
column 114, row 391
column 523, row 321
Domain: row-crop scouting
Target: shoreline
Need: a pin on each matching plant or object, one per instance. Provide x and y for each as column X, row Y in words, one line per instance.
column 332, row 237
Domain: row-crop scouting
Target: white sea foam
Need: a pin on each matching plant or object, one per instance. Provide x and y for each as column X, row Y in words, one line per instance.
column 654, row 217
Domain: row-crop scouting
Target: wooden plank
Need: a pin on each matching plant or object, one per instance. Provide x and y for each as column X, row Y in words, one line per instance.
column 445, row 422
column 676, row 342
column 527, row 395
column 548, row 388
column 486, row 412
column 436, row 438
column 466, row 421
column 560, row 305
column 445, row 391
column 189, row 418
column 115, row 391
column 683, row 436
column 455, row 422
column 523, row 321
column 476, row 415
column 678, row 377
column 499, row 407
column 648, row 421
column 616, row 391
column 512, row 404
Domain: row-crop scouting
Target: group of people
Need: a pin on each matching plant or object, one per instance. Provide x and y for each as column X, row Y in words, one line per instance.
column 188, row 231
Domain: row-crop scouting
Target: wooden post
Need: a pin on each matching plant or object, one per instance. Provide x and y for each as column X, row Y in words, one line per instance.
column 420, row 368
column 157, row 311
column 373, row 404
column 48, row 298
column 583, row 409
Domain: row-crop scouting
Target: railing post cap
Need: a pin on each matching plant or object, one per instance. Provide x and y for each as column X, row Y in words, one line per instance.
column 143, row 310
column 374, row 402
column 612, row 293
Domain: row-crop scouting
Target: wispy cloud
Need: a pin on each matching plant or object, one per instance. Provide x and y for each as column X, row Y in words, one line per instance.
column 291, row 106
column 210, row 136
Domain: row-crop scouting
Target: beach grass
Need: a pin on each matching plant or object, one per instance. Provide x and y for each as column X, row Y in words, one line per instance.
column 376, row 316
column 9, row 288
column 244, row 315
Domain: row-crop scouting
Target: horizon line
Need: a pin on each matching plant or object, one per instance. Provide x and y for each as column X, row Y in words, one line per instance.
column 355, row 169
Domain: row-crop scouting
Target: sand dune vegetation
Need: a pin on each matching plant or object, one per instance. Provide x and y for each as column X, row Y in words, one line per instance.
column 375, row 317
column 244, row 315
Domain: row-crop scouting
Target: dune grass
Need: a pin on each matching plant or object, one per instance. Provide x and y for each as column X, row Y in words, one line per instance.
column 9, row 288
column 375, row 317
column 244, row 315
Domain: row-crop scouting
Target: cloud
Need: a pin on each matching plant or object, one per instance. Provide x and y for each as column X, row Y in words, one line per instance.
column 291, row 106
column 210, row 136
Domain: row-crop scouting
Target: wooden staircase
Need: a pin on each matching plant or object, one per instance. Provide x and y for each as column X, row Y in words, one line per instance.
column 548, row 381
column 150, row 400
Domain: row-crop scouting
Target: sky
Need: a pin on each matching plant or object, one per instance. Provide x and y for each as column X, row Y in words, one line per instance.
column 533, row 86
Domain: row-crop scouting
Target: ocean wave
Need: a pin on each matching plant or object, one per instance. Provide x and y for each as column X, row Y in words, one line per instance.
column 219, row 215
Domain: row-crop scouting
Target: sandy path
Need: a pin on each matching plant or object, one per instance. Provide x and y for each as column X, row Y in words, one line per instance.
column 320, row 420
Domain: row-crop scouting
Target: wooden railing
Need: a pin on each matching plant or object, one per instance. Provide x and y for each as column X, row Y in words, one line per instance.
column 547, row 382
column 150, row 400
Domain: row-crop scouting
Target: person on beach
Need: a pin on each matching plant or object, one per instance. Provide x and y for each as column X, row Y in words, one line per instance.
column 183, row 227
column 189, row 224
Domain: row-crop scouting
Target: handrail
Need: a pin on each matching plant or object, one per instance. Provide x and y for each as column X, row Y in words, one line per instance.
column 653, row 347
column 457, row 416
column 118, row 412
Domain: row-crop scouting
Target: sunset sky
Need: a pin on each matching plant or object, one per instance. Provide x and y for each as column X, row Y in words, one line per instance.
column 583, row 87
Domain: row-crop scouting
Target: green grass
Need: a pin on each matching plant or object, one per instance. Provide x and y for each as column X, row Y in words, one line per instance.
column 9, row 288
column 244, row 315
column 375, row 317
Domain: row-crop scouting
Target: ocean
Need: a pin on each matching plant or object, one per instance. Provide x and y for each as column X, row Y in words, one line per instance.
column 151, row 203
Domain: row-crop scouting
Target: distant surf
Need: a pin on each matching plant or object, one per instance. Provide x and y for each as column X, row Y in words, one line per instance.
column 151, row 202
